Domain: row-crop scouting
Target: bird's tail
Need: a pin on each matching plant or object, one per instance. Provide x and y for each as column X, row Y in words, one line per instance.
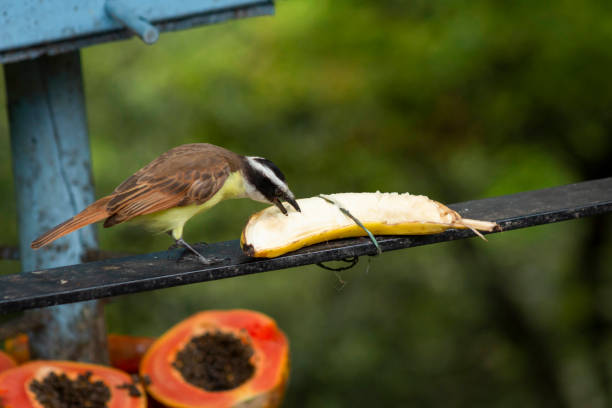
column 95, row 212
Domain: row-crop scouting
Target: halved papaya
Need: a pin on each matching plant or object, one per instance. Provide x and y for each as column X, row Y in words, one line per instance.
column 125, row 352
column 45, row 384
column 217, row 358
column 6, row 361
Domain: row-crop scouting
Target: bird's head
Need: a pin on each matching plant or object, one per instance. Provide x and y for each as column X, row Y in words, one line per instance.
column 266, row 183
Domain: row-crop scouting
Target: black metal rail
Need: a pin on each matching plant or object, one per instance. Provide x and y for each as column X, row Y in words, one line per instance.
column 161, row 270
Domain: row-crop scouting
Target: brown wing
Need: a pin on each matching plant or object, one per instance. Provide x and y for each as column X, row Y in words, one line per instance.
column 188, row 174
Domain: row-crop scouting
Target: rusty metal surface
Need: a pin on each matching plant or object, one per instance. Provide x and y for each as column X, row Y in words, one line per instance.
column 161, row 269
column 31, row 28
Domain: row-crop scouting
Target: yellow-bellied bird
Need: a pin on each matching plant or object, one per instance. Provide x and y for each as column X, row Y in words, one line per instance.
column 179, row 184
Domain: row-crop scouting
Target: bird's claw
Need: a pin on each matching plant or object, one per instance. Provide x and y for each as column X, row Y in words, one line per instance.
column 188, row 256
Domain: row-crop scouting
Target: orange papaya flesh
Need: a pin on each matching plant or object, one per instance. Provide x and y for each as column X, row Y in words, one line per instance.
column 45, row 384
column 6, row 361
column 265, row 348
column 125, row 352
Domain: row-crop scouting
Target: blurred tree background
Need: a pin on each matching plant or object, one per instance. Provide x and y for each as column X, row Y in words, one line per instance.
column 457, row 100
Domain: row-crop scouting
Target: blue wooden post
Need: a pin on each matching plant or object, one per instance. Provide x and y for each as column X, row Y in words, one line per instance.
column 52, row 172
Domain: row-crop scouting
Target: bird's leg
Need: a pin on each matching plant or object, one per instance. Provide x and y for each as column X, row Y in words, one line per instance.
column 188, row 248
column 201, row 258
column 177, row 244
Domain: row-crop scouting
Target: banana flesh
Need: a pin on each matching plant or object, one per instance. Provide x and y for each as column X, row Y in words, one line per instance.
column 270, row 233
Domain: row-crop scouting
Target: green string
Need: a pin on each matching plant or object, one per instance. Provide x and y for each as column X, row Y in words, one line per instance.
column 348, row 214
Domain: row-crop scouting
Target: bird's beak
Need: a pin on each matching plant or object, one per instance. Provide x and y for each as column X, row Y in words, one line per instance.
column 294, row 203
column 280, row 205
column 290, row 200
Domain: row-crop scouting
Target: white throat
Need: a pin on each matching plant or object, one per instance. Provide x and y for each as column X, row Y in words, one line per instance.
column 251, row 192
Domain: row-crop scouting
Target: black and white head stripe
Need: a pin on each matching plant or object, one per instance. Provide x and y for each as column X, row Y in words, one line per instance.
column 266, row 177
column 269, row 165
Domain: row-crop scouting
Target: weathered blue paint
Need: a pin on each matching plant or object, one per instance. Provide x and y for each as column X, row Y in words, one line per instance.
column 30, row 28
column 133, row 22
column 52, row 172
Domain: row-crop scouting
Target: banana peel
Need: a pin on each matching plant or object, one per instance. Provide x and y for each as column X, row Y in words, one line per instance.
column 269, row 233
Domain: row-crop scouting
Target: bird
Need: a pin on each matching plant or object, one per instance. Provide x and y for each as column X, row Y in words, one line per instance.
column 179, row 184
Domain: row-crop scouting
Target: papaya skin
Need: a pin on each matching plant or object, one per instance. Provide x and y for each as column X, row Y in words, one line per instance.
column 15, row 391
column 271, row 359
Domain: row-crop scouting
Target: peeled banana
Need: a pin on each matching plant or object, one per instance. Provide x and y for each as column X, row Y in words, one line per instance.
column 270, row 233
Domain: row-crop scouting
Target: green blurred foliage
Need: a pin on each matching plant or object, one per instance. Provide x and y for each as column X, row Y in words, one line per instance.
column 457, row 100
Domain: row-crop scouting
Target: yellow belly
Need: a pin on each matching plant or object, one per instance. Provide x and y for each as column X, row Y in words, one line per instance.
column 174, row 219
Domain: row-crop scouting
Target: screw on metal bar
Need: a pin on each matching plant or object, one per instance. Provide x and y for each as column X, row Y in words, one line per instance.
column 133, row 22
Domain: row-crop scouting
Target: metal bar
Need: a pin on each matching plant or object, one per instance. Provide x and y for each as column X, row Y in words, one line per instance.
column 51, row 164
column 160, row 270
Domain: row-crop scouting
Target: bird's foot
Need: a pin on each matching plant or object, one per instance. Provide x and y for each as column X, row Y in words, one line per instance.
column 188, row 256
column 190, row 253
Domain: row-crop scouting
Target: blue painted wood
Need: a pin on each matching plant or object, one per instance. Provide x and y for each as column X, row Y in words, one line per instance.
column 133, row 22
column 29, row 28
column 52, row 172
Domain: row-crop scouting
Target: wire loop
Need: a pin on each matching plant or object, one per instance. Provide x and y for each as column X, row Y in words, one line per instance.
column 351, row 260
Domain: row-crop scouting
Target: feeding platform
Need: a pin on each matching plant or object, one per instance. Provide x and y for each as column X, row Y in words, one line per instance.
column 40, row 42
column 162, row 269
column 39, row 47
